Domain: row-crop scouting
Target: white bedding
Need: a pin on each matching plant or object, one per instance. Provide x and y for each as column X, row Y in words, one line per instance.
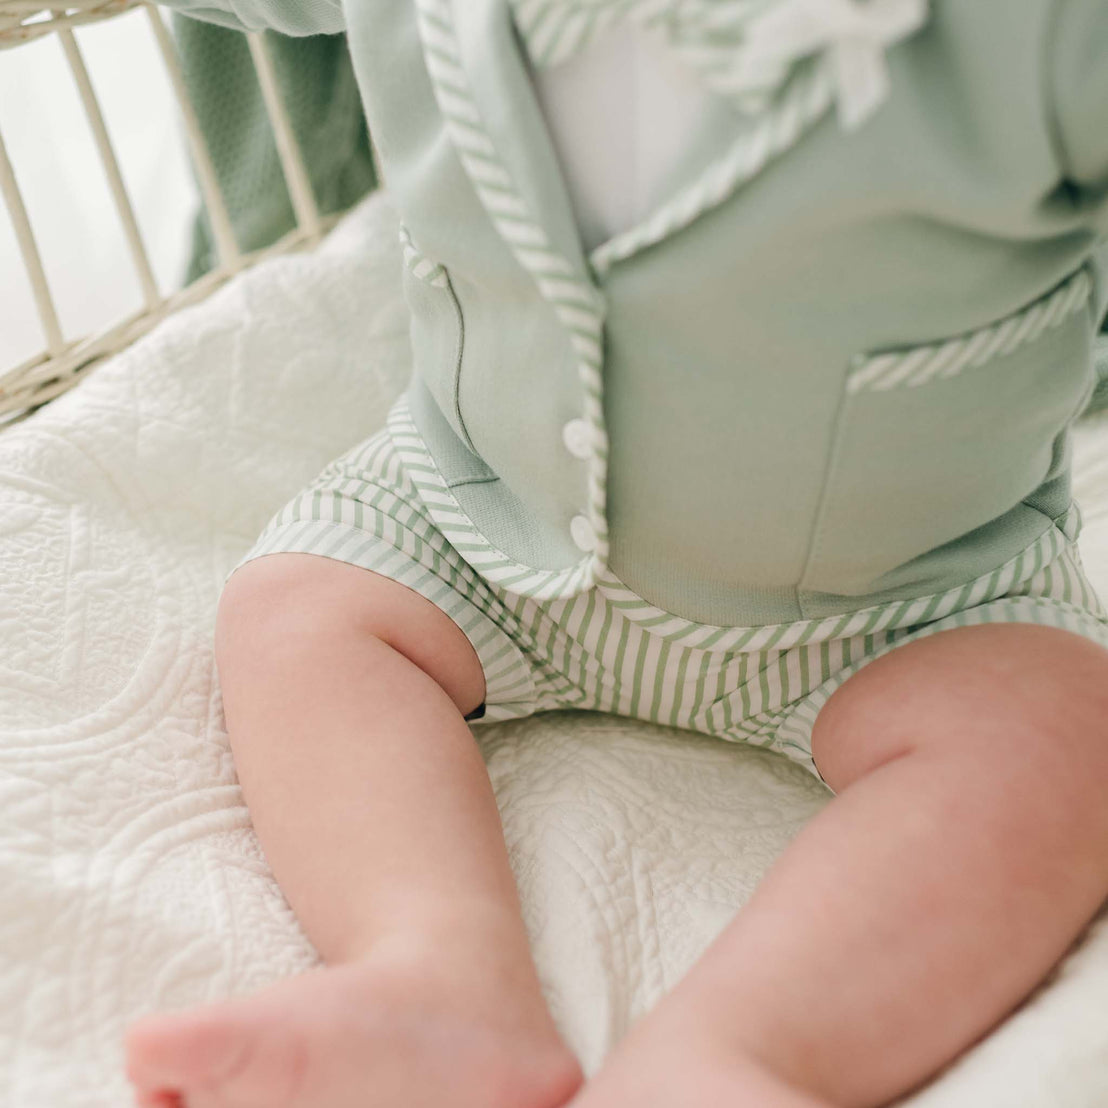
column 129, row 876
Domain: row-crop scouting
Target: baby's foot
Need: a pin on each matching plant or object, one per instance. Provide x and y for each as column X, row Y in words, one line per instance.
column 365, row 1035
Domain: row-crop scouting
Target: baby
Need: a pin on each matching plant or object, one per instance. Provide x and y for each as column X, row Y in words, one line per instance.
column 746, row 339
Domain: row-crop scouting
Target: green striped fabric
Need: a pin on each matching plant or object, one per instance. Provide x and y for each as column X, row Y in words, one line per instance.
column 609, row 650
column 708, row 35
column 576, row 302
column 922, row 364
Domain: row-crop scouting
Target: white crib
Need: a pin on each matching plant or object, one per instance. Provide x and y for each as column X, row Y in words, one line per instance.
column 130, row 878
column 66, row 358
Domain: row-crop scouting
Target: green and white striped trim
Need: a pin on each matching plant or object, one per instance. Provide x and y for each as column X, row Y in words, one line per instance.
column 866, row 621
column 921, row 365
column 361, row 510
column 785, row 95
column 420, row 266
column 708, row 36
column 553, row 31
column 792, row 735
column 585, row 652
column 462, row 533
column 807, row 99
column 744, row 50
column 775, row 60
column 577, row 303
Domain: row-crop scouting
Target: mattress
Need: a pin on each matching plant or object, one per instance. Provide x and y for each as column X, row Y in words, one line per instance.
column 131, row 879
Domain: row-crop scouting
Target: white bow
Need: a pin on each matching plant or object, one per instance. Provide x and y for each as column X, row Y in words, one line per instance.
column 852, row 35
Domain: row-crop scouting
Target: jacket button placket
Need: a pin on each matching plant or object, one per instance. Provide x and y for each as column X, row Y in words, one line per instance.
column 577, row 435
column 582, row 533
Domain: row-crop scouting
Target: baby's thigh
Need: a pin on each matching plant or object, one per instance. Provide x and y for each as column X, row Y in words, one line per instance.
column 990, row 699
column 316, row 602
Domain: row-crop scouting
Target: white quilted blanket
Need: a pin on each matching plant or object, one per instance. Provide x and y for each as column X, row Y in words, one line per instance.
column 129, row 876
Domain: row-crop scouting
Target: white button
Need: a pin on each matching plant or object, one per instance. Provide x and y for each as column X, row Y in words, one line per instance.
column 583, row 534
column 577, row 435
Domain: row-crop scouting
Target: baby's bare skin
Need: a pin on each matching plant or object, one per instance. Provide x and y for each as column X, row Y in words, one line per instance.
column 916, row 910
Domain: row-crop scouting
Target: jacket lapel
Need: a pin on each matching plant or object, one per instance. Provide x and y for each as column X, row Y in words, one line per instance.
column 502, row 106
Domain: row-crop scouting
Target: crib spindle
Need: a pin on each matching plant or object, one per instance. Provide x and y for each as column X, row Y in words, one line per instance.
column 288, row 150
column 136, row 246
column 230, row 257
column 32, row 260
column 64, row 361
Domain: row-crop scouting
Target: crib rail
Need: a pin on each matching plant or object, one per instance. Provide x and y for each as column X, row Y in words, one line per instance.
column 65, row 359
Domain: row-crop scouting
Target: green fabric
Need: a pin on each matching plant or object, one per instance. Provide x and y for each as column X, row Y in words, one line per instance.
column 1099, row 399
column 608, row 652
column 1081, row 118
column 748, row 482
column 322, row 100
column 287, row 17
column 743, row 485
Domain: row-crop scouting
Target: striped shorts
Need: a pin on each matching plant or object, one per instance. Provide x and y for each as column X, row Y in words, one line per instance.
column 609, row 650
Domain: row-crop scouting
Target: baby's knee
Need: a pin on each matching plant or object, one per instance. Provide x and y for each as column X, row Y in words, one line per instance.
column 1013, row 694
column 281, row 605
column 280, row 611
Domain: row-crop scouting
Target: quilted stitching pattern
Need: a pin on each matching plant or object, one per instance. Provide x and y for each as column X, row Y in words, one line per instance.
column 129, row 876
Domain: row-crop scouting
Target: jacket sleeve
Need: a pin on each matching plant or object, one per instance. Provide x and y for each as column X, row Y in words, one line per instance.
column 289, row 17
column 1078, row 90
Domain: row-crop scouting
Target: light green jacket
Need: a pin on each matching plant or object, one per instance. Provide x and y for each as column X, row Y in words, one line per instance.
column 838, row 371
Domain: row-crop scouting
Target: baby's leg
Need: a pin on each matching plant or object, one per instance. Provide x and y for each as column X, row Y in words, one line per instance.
column 967, row 848
column 344, row 694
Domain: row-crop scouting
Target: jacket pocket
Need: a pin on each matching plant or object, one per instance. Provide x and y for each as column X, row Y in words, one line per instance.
column 437, row 331
column 933, row 441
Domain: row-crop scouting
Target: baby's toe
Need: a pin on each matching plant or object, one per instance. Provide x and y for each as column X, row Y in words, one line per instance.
column 169, row 1055
column 160, row 1098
